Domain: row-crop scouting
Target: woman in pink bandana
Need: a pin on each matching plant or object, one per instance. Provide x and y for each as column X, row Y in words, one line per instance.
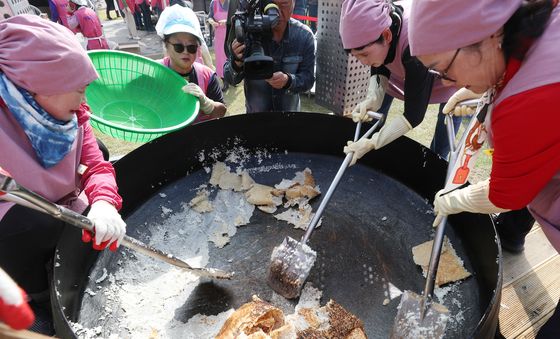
column 376, row 33
column 509, row 50
column 49, row 147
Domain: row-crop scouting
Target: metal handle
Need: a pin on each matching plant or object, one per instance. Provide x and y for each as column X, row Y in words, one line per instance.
column 15, row 193
column 453, row 152
column 469, row 102
column 434, row 258
column 145, row 249
column 337, row 177
column 440, row 231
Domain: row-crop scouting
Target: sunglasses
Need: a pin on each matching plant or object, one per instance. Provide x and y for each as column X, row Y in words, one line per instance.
column 179, row 48
column 443, row 75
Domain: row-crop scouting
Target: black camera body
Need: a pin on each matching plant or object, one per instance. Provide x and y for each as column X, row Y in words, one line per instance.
column 253, row 24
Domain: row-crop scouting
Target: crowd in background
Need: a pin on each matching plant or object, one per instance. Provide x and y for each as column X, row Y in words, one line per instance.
column 142, row 15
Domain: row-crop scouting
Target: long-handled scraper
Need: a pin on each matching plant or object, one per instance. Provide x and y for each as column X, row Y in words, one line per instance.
column 291, row 261
column 419, row 316
column 11, row 191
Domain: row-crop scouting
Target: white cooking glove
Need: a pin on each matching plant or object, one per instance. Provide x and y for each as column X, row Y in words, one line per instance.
column 206, row 104
column 473, row 198
column 460, row 110
column 395, row 128
column 375, row 94
column 108, row 223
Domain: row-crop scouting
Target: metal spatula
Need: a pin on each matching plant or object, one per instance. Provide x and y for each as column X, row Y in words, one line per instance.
column 419, row 316
column 291, row 261
column 11, row 191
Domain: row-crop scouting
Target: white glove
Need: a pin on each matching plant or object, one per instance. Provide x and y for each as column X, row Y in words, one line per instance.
column 108, row 223
column 206, row 104
column 460, row 110
column 395, row 128
column 473, row 198
column 375, row 94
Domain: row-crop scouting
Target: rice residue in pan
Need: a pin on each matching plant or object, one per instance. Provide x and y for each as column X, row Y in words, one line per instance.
column 140, row 298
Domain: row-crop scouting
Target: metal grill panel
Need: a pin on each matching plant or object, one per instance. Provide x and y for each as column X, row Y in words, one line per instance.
column 10, row 8
column 341, row 80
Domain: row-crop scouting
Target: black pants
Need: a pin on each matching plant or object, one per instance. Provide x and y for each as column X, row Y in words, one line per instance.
column 27, row 244
column 138, row 20
column 147, row 17
column 551, row 329
column 514, row 225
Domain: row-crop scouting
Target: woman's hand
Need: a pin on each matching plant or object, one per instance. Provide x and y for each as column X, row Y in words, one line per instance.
column 109, row 228
column 452, row 106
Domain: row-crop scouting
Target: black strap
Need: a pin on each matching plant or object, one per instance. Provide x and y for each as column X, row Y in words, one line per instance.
column 396, row 27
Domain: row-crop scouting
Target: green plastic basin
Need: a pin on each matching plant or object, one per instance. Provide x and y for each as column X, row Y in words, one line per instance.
column 137, row 99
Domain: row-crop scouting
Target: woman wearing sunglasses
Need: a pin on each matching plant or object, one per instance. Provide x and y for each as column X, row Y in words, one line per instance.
column 508, row 49
column 376, row 33
column 180, row 30
column 48, row 146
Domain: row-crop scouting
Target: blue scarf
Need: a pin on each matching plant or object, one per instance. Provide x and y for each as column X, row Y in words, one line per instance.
column 51, row 138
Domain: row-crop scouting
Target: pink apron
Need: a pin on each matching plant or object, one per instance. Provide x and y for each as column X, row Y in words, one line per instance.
column 220, row 37
column 60, row 183
column 90, row 26
column 62, row 8
column 540, row 68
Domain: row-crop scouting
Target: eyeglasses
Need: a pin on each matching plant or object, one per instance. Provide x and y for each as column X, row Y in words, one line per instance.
column 179, row 48
column 443, row 75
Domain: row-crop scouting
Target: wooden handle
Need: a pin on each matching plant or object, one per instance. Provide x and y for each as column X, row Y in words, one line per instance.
column 6, row 332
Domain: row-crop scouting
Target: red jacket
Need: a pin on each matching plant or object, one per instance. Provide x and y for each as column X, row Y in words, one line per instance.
column 526, row 146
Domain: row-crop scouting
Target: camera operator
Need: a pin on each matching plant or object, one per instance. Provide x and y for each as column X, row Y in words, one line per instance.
column 292, row 48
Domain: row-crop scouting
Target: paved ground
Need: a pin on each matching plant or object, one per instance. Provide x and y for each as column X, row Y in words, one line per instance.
column 116, row 32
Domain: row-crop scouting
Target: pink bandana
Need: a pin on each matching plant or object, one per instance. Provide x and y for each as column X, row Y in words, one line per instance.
column 43, row 57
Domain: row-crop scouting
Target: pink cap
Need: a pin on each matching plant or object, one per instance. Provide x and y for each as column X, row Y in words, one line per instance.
column 42, row 56
column 363, row 21
column 443, row 25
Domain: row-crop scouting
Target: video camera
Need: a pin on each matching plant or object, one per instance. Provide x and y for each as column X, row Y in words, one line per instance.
column 251, row 25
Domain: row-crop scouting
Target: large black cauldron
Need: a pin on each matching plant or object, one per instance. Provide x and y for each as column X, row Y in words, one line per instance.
column 377, row 214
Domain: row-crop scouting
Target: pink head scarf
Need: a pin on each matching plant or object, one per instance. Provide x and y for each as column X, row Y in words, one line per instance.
column 43, row 57
column 363, row 21
column 443, row 25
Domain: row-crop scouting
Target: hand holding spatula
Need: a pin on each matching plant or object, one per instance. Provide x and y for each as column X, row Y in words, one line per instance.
column 13, row 192
column 419, row 316
column 291, row 261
